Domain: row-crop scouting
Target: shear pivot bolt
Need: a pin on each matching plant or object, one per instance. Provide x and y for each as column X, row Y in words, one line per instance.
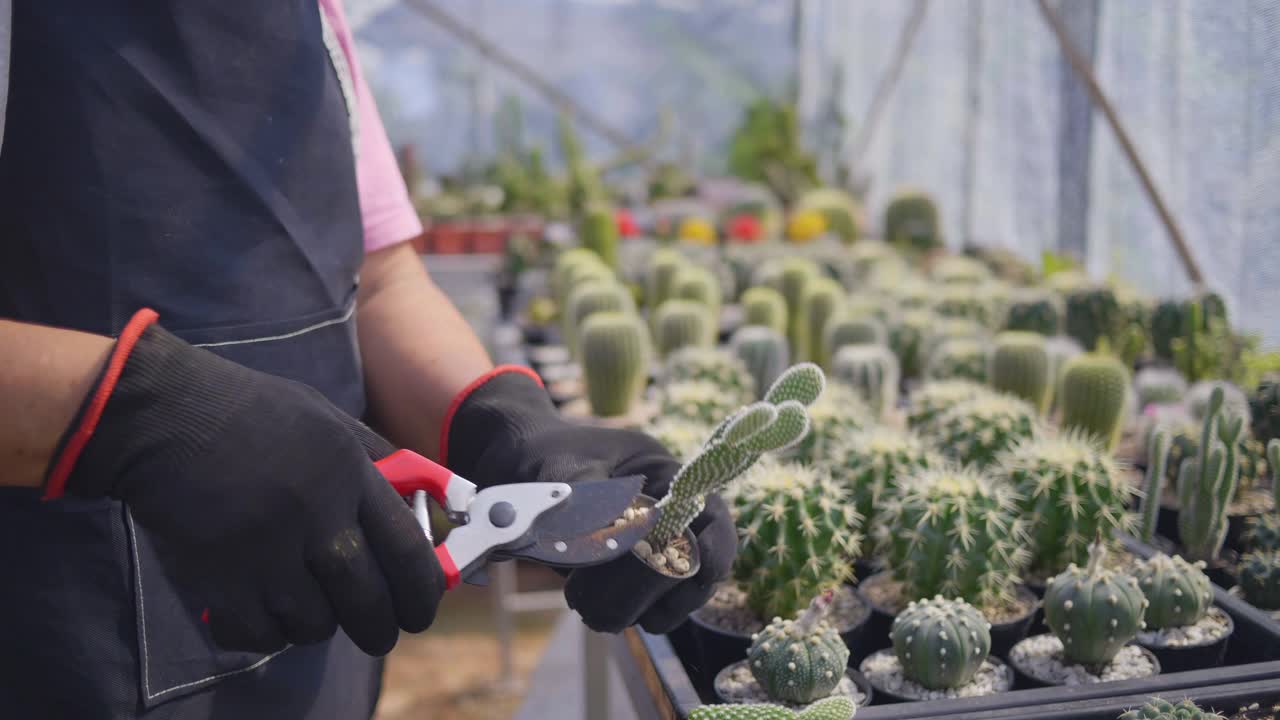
column 561, row 546
column 502, row 514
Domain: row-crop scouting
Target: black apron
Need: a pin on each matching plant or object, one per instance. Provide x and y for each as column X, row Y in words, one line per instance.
column 192, row 156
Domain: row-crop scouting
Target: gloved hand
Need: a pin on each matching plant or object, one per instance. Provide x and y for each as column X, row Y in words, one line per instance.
column 260, row 491
column 504, row 428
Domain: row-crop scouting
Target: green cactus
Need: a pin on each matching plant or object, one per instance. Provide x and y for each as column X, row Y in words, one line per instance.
column 1093, row 314
column 911, row 222
column 1259, row 574
column 836, row 414
column 660, row 278
column 1153, row 484
column 1262, row 532
column 934, row 399
column 832, row 708
column 1157, row 709
column 1234, row 400
column 1061, row 350
column 1094, row 390
column 681, row 323
column 588, row 298
column 568, row 264
column 873, row 463
column 1034, row 310
column 907, row 339
column 1159, row 386
column 1071, row 492
column 958, row 359
column 964, row 302
column 794, row 279
column 723, row 369
column 871, row 304
column 941, row 643
column 799, row 536
column 700, row 401
column 823, row 299
column 953, row 532
column 1203, row 347
column 765, row 306
column 976, row 432
column 683, row 438
column 598, row 232
column 960, row 270
column 800, row 660
column 1264, row 406
column 1207, row 483
column 1019, row 366
column 700, row 285
column 872, row 372
column 1167, row 323
column 764, row 352
column 615, row 361
column 1093, row 611
column 870, row 258
column 846, row 329
column 1178, row 592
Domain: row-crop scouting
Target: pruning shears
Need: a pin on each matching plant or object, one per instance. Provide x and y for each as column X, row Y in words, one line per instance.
column 550, row 523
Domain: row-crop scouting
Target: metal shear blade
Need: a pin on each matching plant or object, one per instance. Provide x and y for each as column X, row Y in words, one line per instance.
column 581, row 531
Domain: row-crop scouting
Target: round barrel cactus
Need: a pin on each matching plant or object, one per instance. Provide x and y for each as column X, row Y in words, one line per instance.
column 965, row 302
column 1094, row 391
column 1178, row 592
column 1157, row 709
column 837, row 413
column 977, row 431
column 681, row 323
column 700, row 285
column 764, row 306
column 800, row 660
column 871, row 304
column 711, row 365
column 932, row 400
column 799, row 536
column 848, row 329
column 907, row 337
column 1093, row 314
column 680, row 436
column 763, row 351
column 1094, row 611
column 960, row 270
column 1262, row 532
column 1020, row 367
column 696, row 400
column 837, row 707
column 954, row 532
column 570, row 263
column 941, row 643
column 958, row 358
column 1071, row 492
column 1259, row 574
column 873, row 463
column 1159, row 386
column 911, row 222
column 615, row 361
column 592, row 297
column 1034, row 310
column 871, row 371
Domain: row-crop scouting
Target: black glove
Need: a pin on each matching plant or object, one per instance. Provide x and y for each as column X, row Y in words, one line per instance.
column 261, row 493
column 506, row 429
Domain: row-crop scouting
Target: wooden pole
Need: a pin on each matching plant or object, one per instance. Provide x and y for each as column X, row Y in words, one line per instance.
column 880, row 98
column 1082, row 68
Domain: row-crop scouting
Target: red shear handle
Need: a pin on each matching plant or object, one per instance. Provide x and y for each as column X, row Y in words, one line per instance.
column 452, row 576
column 408, row 472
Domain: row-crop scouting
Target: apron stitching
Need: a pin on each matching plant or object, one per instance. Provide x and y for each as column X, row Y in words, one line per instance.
column 142, row 620
column 325, row 323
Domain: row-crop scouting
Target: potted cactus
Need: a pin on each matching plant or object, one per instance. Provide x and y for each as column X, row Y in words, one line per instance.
column 978, row 431
column 1157, row 709
column 941, row 649
column 1093, row 613
column 718, row 367
column 1183, row 627
column 836, row 414
column 1206, row 485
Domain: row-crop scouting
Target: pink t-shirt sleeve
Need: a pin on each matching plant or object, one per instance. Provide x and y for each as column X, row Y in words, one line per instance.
column 388, row 215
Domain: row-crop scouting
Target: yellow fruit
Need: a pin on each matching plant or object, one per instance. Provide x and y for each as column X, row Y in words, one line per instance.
column 697, row 231
column 806, row 225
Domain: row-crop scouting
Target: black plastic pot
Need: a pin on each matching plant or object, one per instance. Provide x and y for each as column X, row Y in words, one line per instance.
column 884, row 696
column 1024, row 680
column 857, row 678
column 1193, row 657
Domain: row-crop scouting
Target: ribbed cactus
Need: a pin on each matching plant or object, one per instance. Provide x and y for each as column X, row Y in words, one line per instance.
column 1157, row 709
column 570, row 263
column 1234, row 400
column 1178, row 592
column 588, row 298
column 681, row 323
column 700, row 285
column 1262, row 532
column 832, row 708
column 959, row 270
column 764, row 352
column 700, row 401
column 1019, row 366
column 794, row 279
column 1094, row 391
column 681, row 437
column 965, row 302
column 953, row 532
column 1159, row 386
column 799, row 536
column 1264, row 406
column 932, row 400
column 1093, row 314
column 1061, row 349
column 873, row 463
column 911, row 222
column 823, row 299
column 1093, row 611
column 598, row 232
column 871, row 304
column 765, row 306
column 836, row 414
column 721, row 368
column 1071, row 492
column 978, row 431
column 800, row 660
column 777, row 422
column 908, row 337
column 872, row 372
column 660, row 278
column 1153, row 483
column 848, row 329
column 958, row 359
column 941, row 643
column 615, row 361
column 1034, row 310
column 1259, row 574
column 1207, row 483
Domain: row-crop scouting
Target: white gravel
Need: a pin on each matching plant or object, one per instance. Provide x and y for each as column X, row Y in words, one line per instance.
column 727, row 610
column 1040, row 656
column 736, row 685
column 884, row 671
column 1209, row 629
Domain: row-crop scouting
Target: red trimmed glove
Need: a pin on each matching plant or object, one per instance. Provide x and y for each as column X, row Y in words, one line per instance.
column 262, row 493
column 504, row 428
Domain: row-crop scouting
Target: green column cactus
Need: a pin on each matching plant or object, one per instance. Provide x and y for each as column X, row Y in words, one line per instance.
column 793, row 279
column 832, row 708
column 680, row 323
column 934, row 399
column 800, row 660
column 848, row 329
column 1093, row 314
column 700, row 285
column 1071, row 492
column 1062, row 349
column 873, row 463
column 661, row 276
column 1093, row 611
column 1259, row 574
column 978, row 431
column 765, row 306
column 721, row 368
column 1094, row 391
column 764, row 352
column 1153, row 483
column 1178, row 592
column 956, row 533
column 823, row 299
column 907, row 337
column 615, row 361
column 911, row 222
column 567, row 264
column 1207, row 483
column 1019, row 366
column 1157, row 709
column 598, row 232
column 872, row 372
column 588, row 298
column 941, row 643
column 958, row 358
column 799, row 536
column 1034, row 310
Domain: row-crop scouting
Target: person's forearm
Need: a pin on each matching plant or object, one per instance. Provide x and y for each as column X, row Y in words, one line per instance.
column 418, row 351
column 45, row 375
